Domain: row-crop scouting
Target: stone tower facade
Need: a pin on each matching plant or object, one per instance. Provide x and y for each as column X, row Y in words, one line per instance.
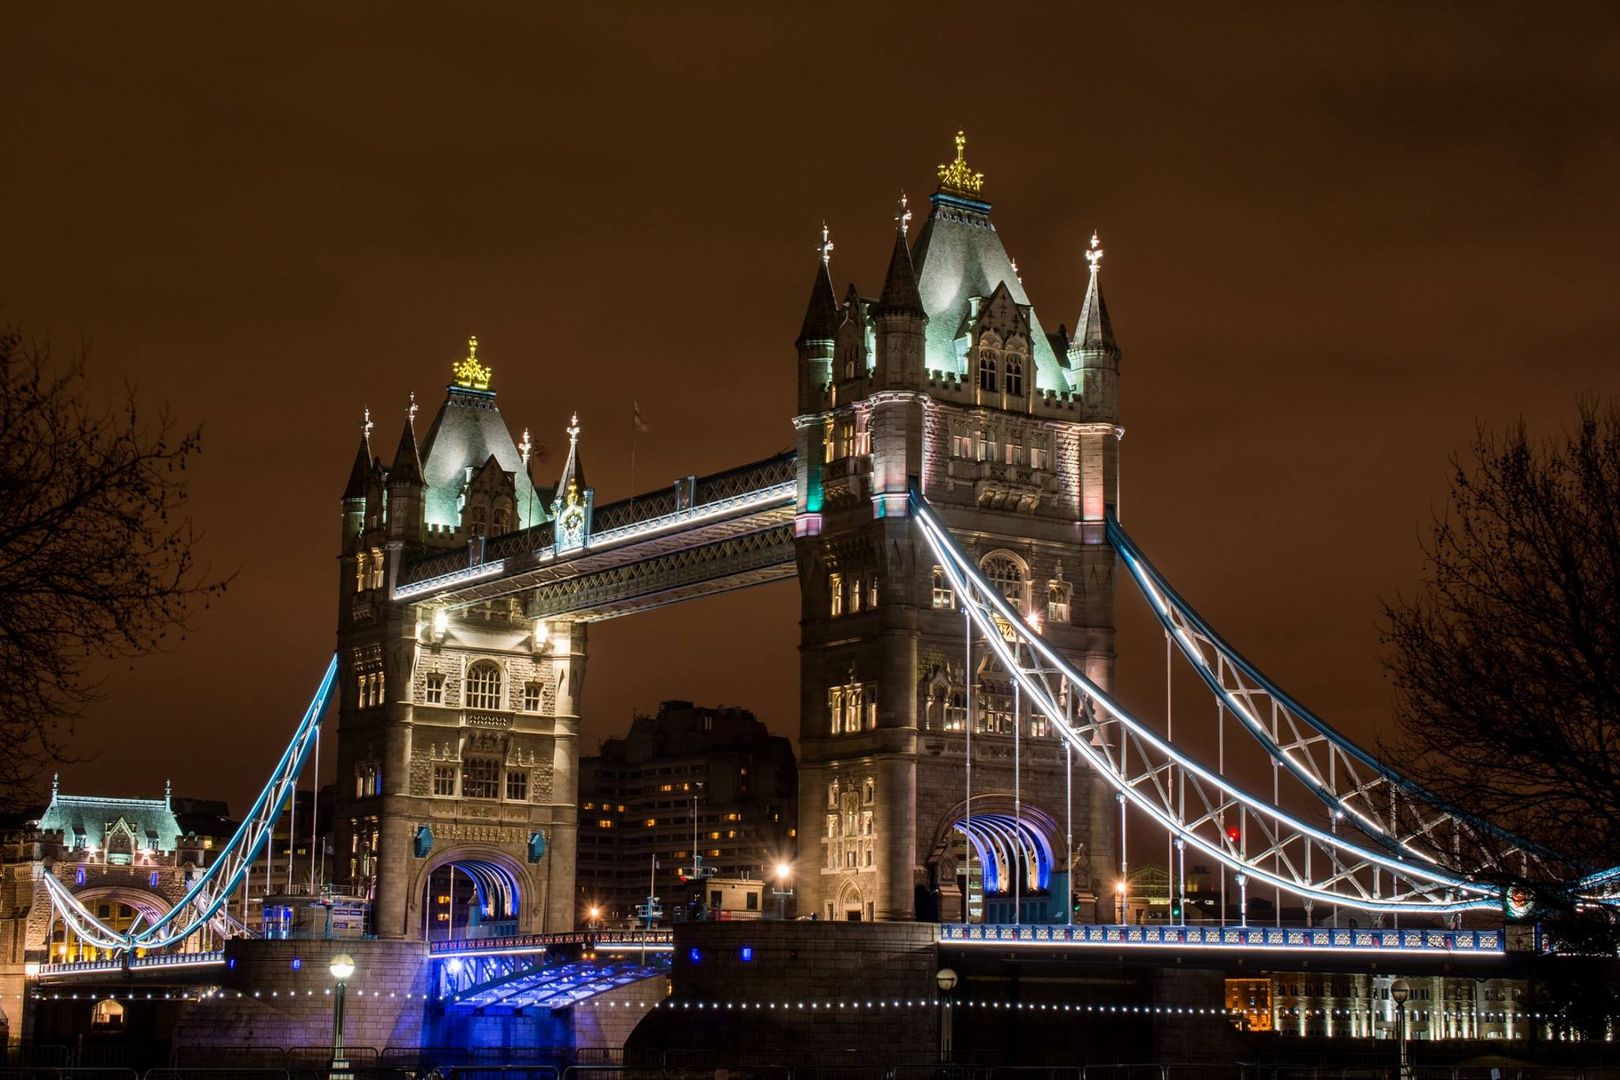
column 458, row 728
column 948, row 381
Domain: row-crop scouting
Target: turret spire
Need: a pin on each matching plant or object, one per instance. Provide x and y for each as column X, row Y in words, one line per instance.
column 821, row 314
column 407, row 467
column 356, row 487
column 903, row 215
column 1093, row 331
column 900, row 294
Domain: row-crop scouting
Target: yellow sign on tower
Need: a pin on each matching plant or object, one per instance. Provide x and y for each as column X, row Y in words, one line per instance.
column 468, row 371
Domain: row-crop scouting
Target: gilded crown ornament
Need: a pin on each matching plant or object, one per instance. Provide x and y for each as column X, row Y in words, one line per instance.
column 468, row 371
column 956, row 178
column 1094, row 254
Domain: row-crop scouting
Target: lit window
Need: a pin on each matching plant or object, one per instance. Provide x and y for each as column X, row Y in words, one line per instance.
column 1039, row 456
column 961, row 445
column 1008, row 576
column 1058, row 593
column 517, row 785
column 650, row 822
column 1015, row 377
column 444, row 780
column 531, row 697
column 869, row 793
column 987, row 371
column 855, row 595
column 835, row 587
column 872, row 592
column 987, row 445
column 434, row 692
column 827, row 444
column 1015, row 451
column 478, row 523
column 480, row 778
column 943, row 596
column 484, row 685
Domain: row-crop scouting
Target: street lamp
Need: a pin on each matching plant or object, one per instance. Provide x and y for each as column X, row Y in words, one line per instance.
column 1243, row 899
column 784, row 871
column 341, row 967
column 946, row 980
column 595, row 914
column 1119, row 900
column 1399, row 991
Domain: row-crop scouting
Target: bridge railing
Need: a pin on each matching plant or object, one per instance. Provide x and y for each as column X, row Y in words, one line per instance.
column 1456, row 942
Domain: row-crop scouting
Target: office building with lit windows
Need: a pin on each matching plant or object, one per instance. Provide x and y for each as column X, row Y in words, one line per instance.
column 637, row 798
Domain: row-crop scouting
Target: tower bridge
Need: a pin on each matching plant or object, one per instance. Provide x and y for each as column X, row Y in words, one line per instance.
column 949, row 509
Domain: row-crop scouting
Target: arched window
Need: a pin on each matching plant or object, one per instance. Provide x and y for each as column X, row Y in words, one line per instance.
column 376, row 568
column 503, row 520
column 362, row 573
column 987, row 371
column 944, row 597
column 1009, row 577
column 479, row 520
column 484, row 685
column 1015, row 377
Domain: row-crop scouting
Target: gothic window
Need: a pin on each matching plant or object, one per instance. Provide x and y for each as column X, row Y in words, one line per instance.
column 832, row 795
column 987, row 445
column 856, row 595
column 1009, row 577
column 944, row 598
column 854, row 700
column 835, row 712
column 961, row 444
column 517, row 785
column 869, row 793
column 987, row 371
column 503, row 520
column 835, row 586
column 484, row 685
column 376, row 568
column 827, row 444
column 872, row 592
column 1015, row 450
column 1058, row 593
column 863, row 437
column 480, row 778
column 362, row 573
column 433, row 693
column 1015, row 377
column 846, row 438
column 531, row 697
column 444, row 780
column 1040, row 456
column 478, row 520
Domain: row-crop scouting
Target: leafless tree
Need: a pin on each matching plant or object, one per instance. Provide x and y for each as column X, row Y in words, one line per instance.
column 97, row 561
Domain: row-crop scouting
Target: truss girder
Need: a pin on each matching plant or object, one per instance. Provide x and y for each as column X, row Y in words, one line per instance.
column 1359, row 791
column 1181, row 795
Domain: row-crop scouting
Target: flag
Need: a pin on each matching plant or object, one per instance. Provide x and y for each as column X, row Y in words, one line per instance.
column 635, row 417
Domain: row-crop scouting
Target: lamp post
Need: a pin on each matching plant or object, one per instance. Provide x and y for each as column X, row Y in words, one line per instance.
column 784, row 871
column 946, row 980
column 342, row 967
column 1399, row 991
column 595, row 914
column 1119, row 900
column 1243, row 899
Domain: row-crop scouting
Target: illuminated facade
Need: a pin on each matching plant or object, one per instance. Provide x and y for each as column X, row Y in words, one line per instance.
column 950, row 381
column 458, row 724
column 638, row 795
column 1342, row 1005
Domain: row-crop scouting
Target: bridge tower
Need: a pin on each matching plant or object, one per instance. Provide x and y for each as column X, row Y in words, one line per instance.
column 948, row 380
column 458, row 724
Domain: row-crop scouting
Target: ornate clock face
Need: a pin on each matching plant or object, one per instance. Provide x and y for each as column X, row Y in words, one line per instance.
column 573, row 524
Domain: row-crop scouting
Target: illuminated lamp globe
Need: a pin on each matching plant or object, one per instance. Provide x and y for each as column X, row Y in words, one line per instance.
column 342, row 966
column 1400, row 990
column 596, row 912
column 783, row 870
column 946, row 979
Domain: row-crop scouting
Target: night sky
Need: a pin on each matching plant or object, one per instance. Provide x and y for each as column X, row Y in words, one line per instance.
column 1335, row 242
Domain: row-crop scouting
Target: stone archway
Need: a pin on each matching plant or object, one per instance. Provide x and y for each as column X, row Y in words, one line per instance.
column 471, row 891
column 1017, row 869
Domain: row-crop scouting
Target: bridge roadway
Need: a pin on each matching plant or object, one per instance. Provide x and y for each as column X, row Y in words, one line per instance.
column 702, row 535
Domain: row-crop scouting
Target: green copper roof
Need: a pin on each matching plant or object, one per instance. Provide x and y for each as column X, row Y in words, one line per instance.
column 85, row 821
column 959, row 256
column 465, row 433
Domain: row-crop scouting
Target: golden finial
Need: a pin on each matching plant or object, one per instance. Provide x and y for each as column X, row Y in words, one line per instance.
column 956, row 178
column 903, row 214
column 1095, row 253
column 826, row 245
column 469, row 372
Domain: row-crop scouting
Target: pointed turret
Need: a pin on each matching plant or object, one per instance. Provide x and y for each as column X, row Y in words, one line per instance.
column 900, row 295
column 821, row 314
column 407, row 490
column 1093, row 353
column 574, row 502
column 354, row 493
column 899, row 314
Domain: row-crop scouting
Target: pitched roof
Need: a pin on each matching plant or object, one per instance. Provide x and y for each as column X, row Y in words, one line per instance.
column 84, row 821
column 466, row 433
column 900, row 295
column 1094, row 332
column 407, row 466
column 957, row 257
column 356, row 488
column 821, row 313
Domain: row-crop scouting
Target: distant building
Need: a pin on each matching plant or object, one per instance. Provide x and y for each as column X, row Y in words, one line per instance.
column 636, row 802
column 1359, row 1006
